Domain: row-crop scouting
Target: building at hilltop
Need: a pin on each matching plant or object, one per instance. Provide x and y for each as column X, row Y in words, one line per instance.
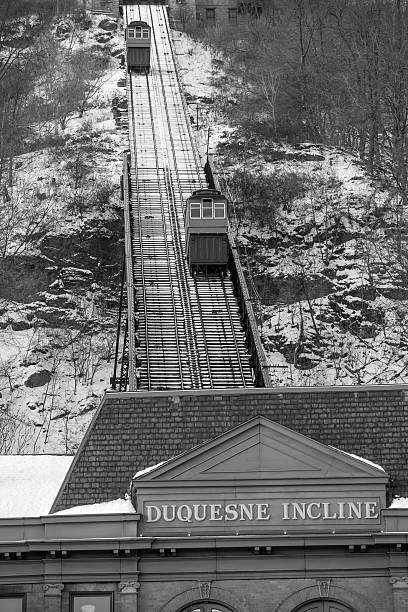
column 216, row 11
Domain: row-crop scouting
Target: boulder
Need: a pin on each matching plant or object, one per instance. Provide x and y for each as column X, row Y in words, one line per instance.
column 103, row 37
column 76, row 277
column 117, row 51
column 63, row 28
column 19, row 322
column 109, row 25
column 38, row 378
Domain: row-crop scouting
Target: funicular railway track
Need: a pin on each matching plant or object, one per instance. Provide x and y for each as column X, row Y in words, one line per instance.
column 189, row 333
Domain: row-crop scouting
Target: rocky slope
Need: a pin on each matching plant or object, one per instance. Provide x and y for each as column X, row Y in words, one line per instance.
column 324, row 244
column 60, row 271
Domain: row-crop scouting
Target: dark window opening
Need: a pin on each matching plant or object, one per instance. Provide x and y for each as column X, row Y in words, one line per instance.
column 232, row 14
column 207, row 208
column 210, row 14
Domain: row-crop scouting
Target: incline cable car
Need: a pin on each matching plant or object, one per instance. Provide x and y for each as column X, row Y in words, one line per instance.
column 138, row 36
column 206, row 223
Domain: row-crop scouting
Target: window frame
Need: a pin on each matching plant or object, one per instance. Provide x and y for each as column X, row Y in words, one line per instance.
column 224, row 210
column 232, row 14
column 145, row 33
column 197, row 206
column 207, row 201
column 74, row 594
column 21, row 596
column 210, row 10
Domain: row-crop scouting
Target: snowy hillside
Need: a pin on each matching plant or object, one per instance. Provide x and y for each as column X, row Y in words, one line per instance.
column 61, row 265
column 320, row 241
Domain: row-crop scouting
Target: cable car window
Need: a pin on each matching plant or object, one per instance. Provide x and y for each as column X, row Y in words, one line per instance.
column 12, row 604
column 219, row 210
column 131, row 32
column 195, row 210
column 138, row 32
column 145, row 33
column 207, row 208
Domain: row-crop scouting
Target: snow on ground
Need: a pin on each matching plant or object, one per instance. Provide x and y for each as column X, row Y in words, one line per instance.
column 331, row 284
column 30, row 483
column 116, row 506
column 58, row 305
column 195, row 65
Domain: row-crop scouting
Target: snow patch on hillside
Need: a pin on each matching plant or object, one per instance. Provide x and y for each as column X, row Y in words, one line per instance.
column 327, row 275
column 30, row 483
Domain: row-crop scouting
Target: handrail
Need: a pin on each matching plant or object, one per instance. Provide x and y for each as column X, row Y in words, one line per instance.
column 258, row 358
column 129, row 276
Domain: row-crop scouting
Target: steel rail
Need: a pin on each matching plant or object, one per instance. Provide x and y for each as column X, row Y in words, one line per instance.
column 151, row 326
column 167, row 249
column 135, row 189
column 162, row 57
column 191, row 334
column 129, row 277
column 191, row 330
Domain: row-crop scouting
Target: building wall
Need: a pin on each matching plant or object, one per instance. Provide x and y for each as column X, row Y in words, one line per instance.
column 132, row 431
column 218, row 10
column 220, row 7
column 362, row 594
column 266, row 595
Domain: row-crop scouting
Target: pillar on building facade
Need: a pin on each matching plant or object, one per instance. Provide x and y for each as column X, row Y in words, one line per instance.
column 400, row 593
column 129, row 596
column 52, row 596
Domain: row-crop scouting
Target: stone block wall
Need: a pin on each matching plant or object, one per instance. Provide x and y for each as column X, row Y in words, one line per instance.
column 131, row 431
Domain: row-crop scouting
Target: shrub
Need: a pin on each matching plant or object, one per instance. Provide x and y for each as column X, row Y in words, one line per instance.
column 102, row 194
column 261, row 197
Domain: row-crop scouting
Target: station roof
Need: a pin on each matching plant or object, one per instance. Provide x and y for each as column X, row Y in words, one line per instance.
column 133, row 431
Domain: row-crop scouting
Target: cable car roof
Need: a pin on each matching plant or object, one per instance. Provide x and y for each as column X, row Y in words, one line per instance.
column 132, row 24
column 206, row 192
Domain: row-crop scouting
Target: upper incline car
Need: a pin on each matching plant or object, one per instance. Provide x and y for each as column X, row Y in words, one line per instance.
column 138, row 36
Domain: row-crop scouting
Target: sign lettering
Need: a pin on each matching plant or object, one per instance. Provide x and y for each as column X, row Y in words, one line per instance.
column 274, row 512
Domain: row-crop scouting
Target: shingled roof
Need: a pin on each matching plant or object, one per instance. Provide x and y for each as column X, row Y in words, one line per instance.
column 131, row 431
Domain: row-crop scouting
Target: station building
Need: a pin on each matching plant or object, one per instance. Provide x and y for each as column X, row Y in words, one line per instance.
column 232, row 507
column 211, row 12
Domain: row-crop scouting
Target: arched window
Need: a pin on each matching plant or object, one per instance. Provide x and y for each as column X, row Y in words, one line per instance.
column 206, row 607
column 323, row 606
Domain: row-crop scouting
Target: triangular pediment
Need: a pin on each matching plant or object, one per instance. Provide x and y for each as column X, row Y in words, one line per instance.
column 262, row 450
